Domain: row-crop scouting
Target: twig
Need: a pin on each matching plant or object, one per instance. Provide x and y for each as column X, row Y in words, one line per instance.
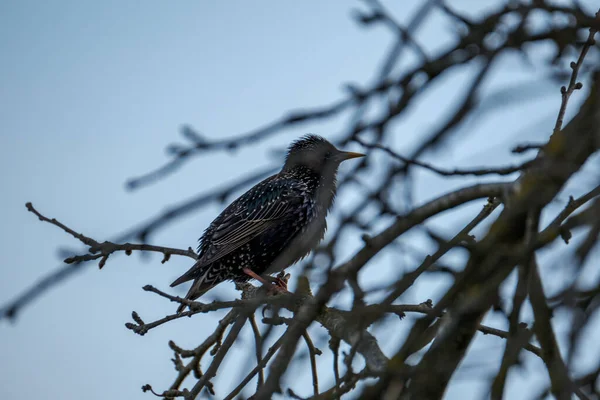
column 347, row 383
column 260, row 367
column 313, row 352
column 105, row 249
column 79, row 236
column 220, row 355
column 198, row 352
column 201, row 145
column 447, row 172
column 379, row 14
column 462, row 111
column 167, row 394
column 426, row 308
column 407, row 281
column 487, row 330
column 518, row 336
column 572, row 206
column 562, row 386
column 573, row 84
column 334, row 345
column 522, row 148
column 195, row 307
column 258, row 345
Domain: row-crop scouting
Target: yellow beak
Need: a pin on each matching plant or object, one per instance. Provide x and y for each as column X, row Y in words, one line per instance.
column 347, row 155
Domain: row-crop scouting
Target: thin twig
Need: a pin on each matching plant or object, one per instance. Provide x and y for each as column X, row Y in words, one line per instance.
column 447, row 172
column 407, row 281
column 522, row 148
column 260, row 367
column 220, row 355
column 167, row 394
column 313, row 352
column 573, row 84
column 562, row 385
column 195, row 307
column 198, row 352
column 105, row 249
column 334, row 345
column 199, row 144
column 258, row 345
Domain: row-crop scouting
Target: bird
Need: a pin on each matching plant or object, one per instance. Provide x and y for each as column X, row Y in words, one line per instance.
column 275, row 224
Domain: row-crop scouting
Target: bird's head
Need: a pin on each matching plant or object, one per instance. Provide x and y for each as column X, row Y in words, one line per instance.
column 317, row 154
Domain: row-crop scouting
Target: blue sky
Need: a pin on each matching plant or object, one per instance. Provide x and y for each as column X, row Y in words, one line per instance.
column 90, row 95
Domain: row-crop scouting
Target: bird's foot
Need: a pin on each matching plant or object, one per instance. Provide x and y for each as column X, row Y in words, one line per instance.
column 274, row 285
column 254, row 275
column 280, row 281
column 274, row 289
column 278, row 285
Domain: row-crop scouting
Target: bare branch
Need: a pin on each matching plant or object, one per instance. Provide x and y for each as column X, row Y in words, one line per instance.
column 105, row 249
column 313, row 352
column 573, row 83
column 260, row 367
column 562, row 386
column 496, row 256
column 258, row 344
column 446, row 172
column 201, row 145
column 220, row 355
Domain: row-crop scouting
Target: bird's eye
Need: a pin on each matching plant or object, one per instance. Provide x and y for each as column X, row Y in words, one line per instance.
column 328, row 154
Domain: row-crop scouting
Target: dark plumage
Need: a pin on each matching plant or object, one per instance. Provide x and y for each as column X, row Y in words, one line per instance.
column 274, row 224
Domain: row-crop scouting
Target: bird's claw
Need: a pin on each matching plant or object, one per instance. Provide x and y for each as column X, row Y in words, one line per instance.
column 280, row 280
column 274, row 285
column 279, row 283
column 274, row 289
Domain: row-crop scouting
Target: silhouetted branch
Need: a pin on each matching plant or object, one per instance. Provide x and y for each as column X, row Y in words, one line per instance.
column 219, row 356
column 470, row 46
column 260, row 367
column 522, row 148
column 312, row 353
column 201, row 145
column 496, row 255
column 258, row 343
column 402, row 285
column 573, row 83
column 105, row 249
column 562, row 386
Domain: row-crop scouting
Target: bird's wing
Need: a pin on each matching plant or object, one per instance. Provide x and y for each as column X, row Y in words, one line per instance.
column 259, row 209
column 239, row 228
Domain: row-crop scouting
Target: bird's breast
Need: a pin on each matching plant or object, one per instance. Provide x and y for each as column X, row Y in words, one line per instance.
column 310, row 226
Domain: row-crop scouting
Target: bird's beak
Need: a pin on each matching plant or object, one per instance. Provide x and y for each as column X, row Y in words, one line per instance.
column 346, row 155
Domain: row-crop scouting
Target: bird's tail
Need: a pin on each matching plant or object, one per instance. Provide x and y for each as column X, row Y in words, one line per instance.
column 193, row 294
column 199, row 287
column 188, row 276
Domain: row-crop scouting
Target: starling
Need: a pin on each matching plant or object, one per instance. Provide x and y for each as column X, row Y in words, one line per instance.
column 274, row 224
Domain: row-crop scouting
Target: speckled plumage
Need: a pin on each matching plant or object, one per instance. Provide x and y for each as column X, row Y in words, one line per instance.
column 274, row 224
